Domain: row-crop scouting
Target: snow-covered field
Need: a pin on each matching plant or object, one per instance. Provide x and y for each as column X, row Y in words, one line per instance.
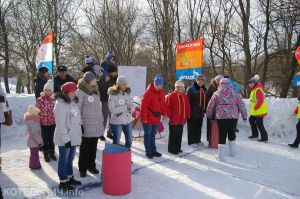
column 259, row 171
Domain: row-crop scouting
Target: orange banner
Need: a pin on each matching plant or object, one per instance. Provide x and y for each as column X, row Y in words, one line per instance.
column 189, row 54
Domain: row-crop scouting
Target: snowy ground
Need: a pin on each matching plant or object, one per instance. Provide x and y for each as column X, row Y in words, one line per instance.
column 259, row 171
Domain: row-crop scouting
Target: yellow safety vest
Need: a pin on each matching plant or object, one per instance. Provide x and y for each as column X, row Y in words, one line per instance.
column 298, row 111
column 263, row 109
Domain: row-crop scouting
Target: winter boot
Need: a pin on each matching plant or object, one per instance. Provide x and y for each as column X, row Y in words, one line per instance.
column 232, row 148
column 72, row 181
column 294, row 145
column 52, row 155
column 65, row 186
column 94, row 171
column 221, row 152
column 46, row 156
column 102, row 138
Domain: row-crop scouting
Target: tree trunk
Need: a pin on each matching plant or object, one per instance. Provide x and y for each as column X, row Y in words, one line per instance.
column 266, row 63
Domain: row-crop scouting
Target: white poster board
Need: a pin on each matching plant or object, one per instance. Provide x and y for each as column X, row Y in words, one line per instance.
column 136, row 78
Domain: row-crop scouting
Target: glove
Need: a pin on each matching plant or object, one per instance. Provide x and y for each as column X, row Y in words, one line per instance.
column 68, row 144
column 2, row 99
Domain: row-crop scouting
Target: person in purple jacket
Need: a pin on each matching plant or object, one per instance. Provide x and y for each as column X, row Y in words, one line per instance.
column 226, row 104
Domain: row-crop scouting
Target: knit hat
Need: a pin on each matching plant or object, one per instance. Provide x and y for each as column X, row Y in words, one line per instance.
column 33, row 110
column 201, row 77
column 89, row 76
column 62, row 68
column 224, row 81
column 109, row 56
column 112, row 68
column 158, row 80
column 254, row 79
column 121, row 80
column 179, row 83
column 88, row 59
column 49, row 85
column 43, row 70
column 68, row 87
column 218, row 78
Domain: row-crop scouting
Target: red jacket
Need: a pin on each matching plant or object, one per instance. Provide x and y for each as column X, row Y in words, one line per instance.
column 46, row 105
column 152, row 105
column 178, row 108
column 260, row 98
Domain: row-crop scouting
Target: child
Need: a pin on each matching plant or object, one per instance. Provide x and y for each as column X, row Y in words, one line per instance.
column 297, row 140
column 46, row 104
column 67, row 134
column 34, row 138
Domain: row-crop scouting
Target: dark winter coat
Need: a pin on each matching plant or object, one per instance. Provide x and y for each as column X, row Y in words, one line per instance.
column 197, row 99
column 39, row 84
column 178, row 108
column 152, row 105
column 213, row 87
column 58, row 81
column 103, row 87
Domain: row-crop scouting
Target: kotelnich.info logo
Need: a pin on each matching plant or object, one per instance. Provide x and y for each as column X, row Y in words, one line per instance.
column 23, row 192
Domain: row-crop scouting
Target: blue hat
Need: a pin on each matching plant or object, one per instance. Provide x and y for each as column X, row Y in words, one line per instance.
column 109, row 56
column 158, row 80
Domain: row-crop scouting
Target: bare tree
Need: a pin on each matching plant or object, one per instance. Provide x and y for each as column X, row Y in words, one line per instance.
column 5, row 7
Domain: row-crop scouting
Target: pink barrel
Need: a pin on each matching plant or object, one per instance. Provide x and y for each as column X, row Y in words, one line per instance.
column 116, row 170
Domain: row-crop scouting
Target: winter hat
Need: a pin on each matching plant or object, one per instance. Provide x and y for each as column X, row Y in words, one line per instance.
column 68, row 87
column 218, row 78
column 49, row 85
column 89, row 76
column 158, row 80
column 254, row 79
column 121, row 80
column 43, row 70
column 112, row 68
column 62, row 68
column 88, row 59
column 109, row 56
column 33, row 110
column 201, row 77
column 179, row 83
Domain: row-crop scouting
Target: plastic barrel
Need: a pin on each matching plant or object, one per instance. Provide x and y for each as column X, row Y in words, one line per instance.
column 116, row 170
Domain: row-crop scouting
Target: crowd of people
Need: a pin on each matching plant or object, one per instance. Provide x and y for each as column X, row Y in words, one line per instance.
column 72, row 113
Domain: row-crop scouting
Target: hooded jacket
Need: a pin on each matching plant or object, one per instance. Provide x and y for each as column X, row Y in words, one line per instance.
column 117, row 103
column 226, row 103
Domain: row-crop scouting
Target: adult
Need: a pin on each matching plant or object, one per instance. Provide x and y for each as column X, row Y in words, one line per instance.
column 62, row 78
column 226, row 104
column 152, row 108
column 40, row 81
column 109, row 59
column 92, row 120
column 178, row 111
column 67, row 134
column 258, row 109
column 197, row 99
column 296, row 142
column 104, row 83
column 120, row 104
column 212, row 88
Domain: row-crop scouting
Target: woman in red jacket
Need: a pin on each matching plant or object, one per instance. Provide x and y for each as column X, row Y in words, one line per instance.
column 152, row 107
column 178, row 111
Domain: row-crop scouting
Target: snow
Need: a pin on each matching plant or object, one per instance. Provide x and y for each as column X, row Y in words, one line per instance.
column 258, row 171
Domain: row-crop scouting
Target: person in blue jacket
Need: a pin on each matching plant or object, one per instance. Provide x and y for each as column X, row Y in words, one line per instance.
column 109, row 59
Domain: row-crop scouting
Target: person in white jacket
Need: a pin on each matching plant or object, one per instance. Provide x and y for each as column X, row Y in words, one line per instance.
column 67, row 134
column 120, row 104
